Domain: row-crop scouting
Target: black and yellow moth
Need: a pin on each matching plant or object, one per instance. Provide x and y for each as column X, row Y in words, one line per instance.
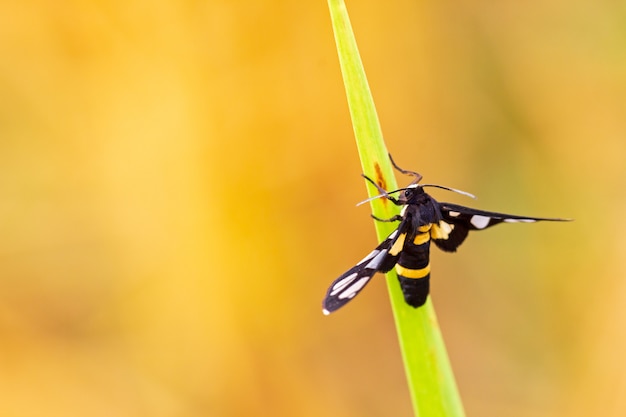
column 422, row 220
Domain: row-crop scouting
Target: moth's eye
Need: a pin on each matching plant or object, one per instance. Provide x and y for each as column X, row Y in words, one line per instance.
column 408, row 193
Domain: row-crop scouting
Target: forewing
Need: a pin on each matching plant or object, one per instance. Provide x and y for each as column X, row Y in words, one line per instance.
column 460, row 220
column 381, row 259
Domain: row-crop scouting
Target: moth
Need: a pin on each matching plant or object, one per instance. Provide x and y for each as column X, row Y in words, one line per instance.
column 421, row 220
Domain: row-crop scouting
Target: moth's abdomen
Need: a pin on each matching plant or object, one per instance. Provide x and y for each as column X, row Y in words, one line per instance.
column 413, row 268
column 415, row 290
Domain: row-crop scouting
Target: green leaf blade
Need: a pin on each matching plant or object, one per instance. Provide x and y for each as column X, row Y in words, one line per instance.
column 430, row 378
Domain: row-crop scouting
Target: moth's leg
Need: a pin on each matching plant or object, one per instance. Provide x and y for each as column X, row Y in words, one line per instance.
column 417, row 176
column 395, row 218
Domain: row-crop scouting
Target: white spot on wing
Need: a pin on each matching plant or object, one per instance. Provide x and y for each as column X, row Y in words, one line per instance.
column 374, row 263
column 354, row 288
column 479, row 222
column 326, row 312
column 343, row 283
column 393, row 234
column 520, row 220
column 454, row 213
column 368, row 257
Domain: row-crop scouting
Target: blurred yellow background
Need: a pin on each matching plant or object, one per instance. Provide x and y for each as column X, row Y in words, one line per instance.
column 177, row 190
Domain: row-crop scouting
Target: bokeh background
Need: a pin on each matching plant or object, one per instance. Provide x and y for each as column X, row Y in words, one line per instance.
column 177, row 190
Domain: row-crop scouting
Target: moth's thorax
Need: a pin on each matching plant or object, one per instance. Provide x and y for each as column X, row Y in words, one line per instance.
column 419, row 208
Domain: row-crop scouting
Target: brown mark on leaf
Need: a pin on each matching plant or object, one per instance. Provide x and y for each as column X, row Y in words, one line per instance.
column 380, row 180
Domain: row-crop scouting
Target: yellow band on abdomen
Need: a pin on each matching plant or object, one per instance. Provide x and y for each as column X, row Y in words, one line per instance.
column 413, row 273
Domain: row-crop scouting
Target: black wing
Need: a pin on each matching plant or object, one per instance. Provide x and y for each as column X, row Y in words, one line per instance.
column 381, row 259
column 457, row 221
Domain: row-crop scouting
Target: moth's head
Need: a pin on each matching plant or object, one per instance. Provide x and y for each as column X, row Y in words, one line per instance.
column 412, row 194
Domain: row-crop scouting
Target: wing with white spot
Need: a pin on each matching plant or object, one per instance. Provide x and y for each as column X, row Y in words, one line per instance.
column 460, row 220
column 381, row 259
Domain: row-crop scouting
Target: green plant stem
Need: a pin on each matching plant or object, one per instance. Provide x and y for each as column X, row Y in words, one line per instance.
column 431, row 381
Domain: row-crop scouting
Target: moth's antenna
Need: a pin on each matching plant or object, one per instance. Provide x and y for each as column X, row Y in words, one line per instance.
column 418, row 177
column 379, row 196
column 465, row 193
